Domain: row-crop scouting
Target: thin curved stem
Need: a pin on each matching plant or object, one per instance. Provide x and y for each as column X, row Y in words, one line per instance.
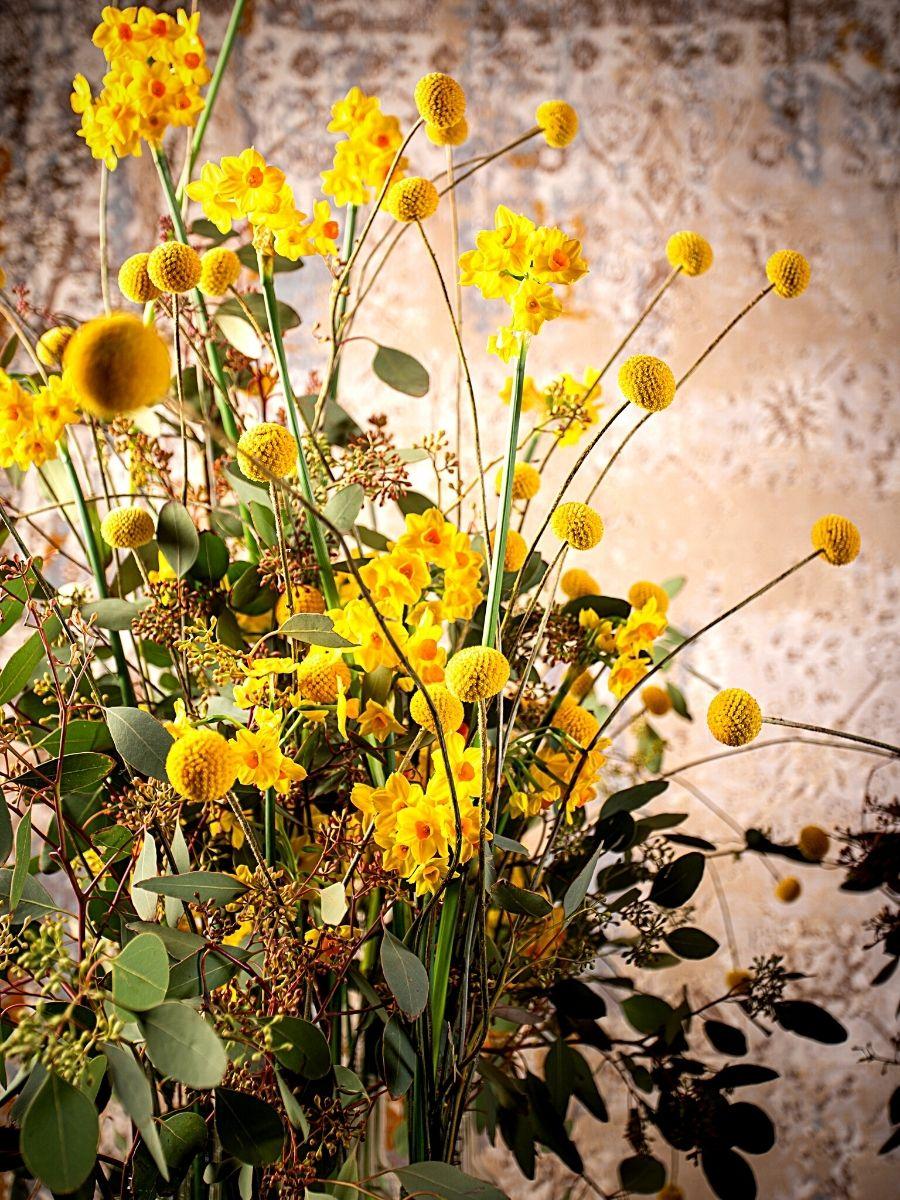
column 838, row 733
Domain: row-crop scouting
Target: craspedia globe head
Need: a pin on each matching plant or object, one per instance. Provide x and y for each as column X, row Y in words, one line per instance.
column 127, row 528
column 477, row 673
column 642, row 591
column 837, row 539
column 576, row 583
column 526, row 481
column 575, row 721
column 267, row 451
column 788, row 272
column 787, row 890
column 516, row 550
column 319, row 675
column 201, row 765
column 117, row 364
column 734, row 718
column 412, row 199
column 813, row 843
column 577, row 524
column 690, row 252
column 656, row 700
column 452, row 135
column 52, row 344
column 219, row 269
column 306, row 599
column 647, row 382
column 558, row 122
column 448, row 708
column 582, row 684
column 174, row 267
column 135, row 283
column 440, row 100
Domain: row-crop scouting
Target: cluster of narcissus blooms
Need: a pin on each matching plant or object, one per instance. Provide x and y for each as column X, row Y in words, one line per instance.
column 628, row 646
column 566, row 407
column 157, row 66
column 363, row 158
column 31, row 423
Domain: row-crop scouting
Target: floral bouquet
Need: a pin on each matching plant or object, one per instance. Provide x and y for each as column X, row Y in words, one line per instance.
column 331, row 805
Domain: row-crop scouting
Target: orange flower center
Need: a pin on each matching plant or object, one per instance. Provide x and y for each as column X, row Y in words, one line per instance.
column 423, row 830
column 253, row 759
column 432, row 537
column 125, row 33
column 157, row 88
column 254, row 177
column 428, row 649
column 382, row 139
column 158, row 28
column 330, row 229
column 466, row 773
column 192, row 60
column 559, row 260
column 533, row 304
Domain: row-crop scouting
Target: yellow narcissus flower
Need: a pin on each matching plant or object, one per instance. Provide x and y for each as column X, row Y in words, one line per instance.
column 412, row 199
column 320, row 674
column 577, row 524
column 627, row 672
column 219, row 269
column 127, row 528
column 452, row 135
column 307, row 599
column 378, row 722
column 689, row 251
column 738, row 980
column 647, row 382
column 440, row 100
column 117, row 364
column 670, row 1192
column 533, row 303
column 580, row 725
column 135, row 283
column 558, row 122
column 656, row 700
column 813, row 843
column 526, row 481
column 576, row 583
column 788, row 272
column 734, row 717
column 266, row 452
column 642, row 591
column 837, row 538
column 448, row 708
column 477, row 673
column 516, row 549
column 787, row 890
column 201, row 766
column 174, row 267
column 52, row 344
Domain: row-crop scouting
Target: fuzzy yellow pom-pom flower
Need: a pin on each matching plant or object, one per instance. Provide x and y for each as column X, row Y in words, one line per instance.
column 787, row 890
column 580, row 725
column 412, row 199
column 516, row 550
column 837, row 538
column 583, row 684
column 734, row 718
column 813, row 843
column 127, row 528
column 789, row 272
column 174, row 267
column 266, row 452
column 319, row 674
column 577, row 524
column 477, row 673
column 576, row 583
column 117, row 364
column 647, row 382
column 52, row 344
column 306, row 598
column 219, row 269
column 440, row 100
column 642, row 591
column 526, row 481
column 689, row 251
column 656, row 700
column 201, row 765
column 558, row 122
column 135, row 283
column 448, row 708
column 452, row 135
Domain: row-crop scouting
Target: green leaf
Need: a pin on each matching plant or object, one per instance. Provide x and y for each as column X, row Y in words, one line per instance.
column 725, row 1038
column 184, row 976
column 400, row 371
column 22, row 861
column 405, row 975
column 414, row 502
column 34, row 902
column 810, row 1021
column 182, row 1136
column 255, row 302
column 141, row 740
column 6, row 833
column 398, row 1058
column 264, row 523
column 203, row 887
column 678, row 701
column 578, row 888
column 250, row 1130
column 144, row 868
column 245, row 489
column 508, row 845
column 343, row 507
column 133, row 1091
column 293, row 1111
column 141, row 973
column 212, row 558
column 674, row 585
column 646, row 1014
column 177, row 537
column 81, row 772
column 602, row 606
column 584, row 1086
column 315, row 629
column 247, row 255
column 206, row 229
column 20, row 667
column 520, row 901
column 182, row 1046
column 300, row 1046
column 60, row 1135
column 558, row 1076
column 112, row 613
column 642, row 1173
column 691, row 943
column 445, row 1182
column 633, row 797
column 677, row 881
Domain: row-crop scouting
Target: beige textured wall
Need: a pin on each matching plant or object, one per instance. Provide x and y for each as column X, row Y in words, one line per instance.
column 760, row 124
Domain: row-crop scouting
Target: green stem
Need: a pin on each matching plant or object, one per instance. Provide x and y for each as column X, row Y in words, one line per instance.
column 269, row 826
column 343, row 295
column 212, row 91
column 839, row 733
column 318, row 538
column 504, row 509
column 440, row 968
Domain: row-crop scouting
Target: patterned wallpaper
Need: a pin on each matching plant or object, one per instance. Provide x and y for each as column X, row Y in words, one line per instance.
column 761, row 124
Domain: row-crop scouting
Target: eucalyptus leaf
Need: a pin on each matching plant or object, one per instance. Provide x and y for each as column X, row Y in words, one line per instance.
column 182, row 1046
column 141, row 973
column 144, row 868
column 203, row 887
column 249, row 1129
column 22, row 861
column 177, row 537
column 343, row 507
column 400, row 371
column 445, row 1182
column 405, row 975
column 141, row 740
column 60, row 1135
column 132, row 1088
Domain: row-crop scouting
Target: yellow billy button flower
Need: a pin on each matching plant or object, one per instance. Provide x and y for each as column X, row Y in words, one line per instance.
column 477, row 673
column 452, row 135
column 583, row 684
column 789, row 272
column 577, row 722
column 440, row 100
column 201, row 766
column 813, row 843
column 127, row 528
column 734, row 717
column 174, row 267
column 412, row 199
column 526, row 481
column 656, row 700
column 642, row 591
column 266, row 452
column 689, row 251
column 135, row 283
column 558, row 121
column 219, row 269
column 448, row 708
column 837, row 538
column 576, row 583
column 117, row 364
column 52, row 344
column 516, row 549
column 577, row 524
column 787, row 890
column 319, row 676
column 307, row 599
column 647, row 382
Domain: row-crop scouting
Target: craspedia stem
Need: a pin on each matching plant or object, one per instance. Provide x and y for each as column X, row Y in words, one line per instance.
column 838, row 733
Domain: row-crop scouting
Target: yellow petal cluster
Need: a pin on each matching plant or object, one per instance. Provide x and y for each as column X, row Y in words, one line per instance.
column 127, row 528
column 413, row 199
column 578, row 524
column 363, row 158
column 320, row 676
column 477, row 673
column 135, row 283
column 174, row 267
column 656, row 700
column 789, row 273
column 219, row 270
column 642, row 591
column 515, row 552
column 647, row 382
column 734, row 717
column 201, row 766
column 690, row 252
column 31, row 424
column 448, row 708
column 51, row 344
column 453, row 135
column 440, row 100
column 837, row 538
column 580, row 725
column 576, row 583
column 526, row 481
column 558, row 121
column 306, row 599
column 117, row 364
column 267, row 451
